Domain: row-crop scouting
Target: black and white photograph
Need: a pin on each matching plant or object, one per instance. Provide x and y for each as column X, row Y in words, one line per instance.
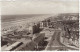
column 40, row 25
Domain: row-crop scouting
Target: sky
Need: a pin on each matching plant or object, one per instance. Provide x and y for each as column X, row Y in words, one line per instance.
column 38, row 7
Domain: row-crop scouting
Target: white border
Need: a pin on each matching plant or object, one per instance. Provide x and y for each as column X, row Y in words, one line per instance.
column 36, row 51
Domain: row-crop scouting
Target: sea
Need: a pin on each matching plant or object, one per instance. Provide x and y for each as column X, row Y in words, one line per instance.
column 15, row 20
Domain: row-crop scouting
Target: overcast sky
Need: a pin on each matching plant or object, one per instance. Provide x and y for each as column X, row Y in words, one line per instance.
column 39, row 7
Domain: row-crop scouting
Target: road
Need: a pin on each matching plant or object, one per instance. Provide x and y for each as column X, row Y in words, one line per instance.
column 55, row 43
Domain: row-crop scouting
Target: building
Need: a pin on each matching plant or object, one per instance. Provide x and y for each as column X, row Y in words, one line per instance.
column 38, row 37
column 34, row 28
column 39, row 40
column 45, row 23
